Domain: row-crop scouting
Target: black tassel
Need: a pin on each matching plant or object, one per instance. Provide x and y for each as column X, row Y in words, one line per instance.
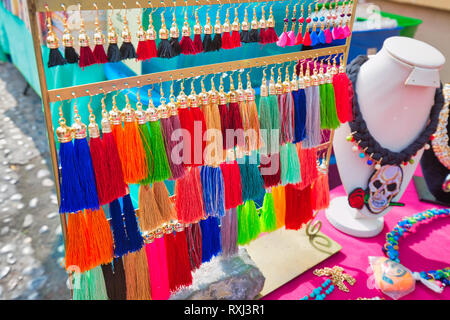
column 127, row 51
column 71, row 55
column 207, row 43
column 176, row 48
column 245, row 36
column 217, row 42
column 165, row 49
column 113, row 53
column 254, row 35
column 55, row 58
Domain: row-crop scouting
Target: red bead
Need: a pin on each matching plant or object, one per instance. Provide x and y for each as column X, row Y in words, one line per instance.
column 301, row 20
column 329, row 17
column 308, row 20
column 432, row 137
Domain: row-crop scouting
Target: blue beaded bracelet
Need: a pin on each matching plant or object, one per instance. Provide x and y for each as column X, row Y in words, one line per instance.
column 317, row 294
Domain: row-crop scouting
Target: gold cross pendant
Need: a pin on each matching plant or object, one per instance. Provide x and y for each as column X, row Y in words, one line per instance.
column 337, row 275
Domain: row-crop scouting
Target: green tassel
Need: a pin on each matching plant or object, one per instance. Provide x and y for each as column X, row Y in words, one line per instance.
column 89, row 285
column 290, row 164
column 243, row 237
column 146, row 141
column 253, row 221
column 269, row 218
column 162, row 169
column 265, row 122
column 328, row 114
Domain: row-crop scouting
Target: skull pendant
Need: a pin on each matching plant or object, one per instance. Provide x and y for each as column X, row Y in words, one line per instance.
column 384, row 184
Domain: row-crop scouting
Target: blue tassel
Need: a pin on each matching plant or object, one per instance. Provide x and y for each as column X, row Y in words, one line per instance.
column 120, row 237
column 71, row 193
column 206, row 189
column 220, row 192
column 211, row 239
column 322, row 37
column 83, row 163
column 314, row 38
column 134, row 234
column 213, row 191
column 252, row 182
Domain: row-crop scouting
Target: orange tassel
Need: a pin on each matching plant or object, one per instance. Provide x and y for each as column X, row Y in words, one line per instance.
column 279, row 200
column 101, row 236
column 117, row 131
column 320, row 194
column 135, row 160
column 78, row 249
column 137, row 276
column 165, row 205
column 149, row 215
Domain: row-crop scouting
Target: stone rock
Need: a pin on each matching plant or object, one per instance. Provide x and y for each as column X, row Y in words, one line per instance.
column 37, row 283
column 28, row 221
column 47, row 182
column 4, row 231
column 233, row 278
column 52, row 215
column 12, row 284
column 16, row 196
column 1, row 291
column 43, row 229
column 42, row 173
column 8, row 248
column 33, row 202
column 10, row 258
column 27, row 250
column 29, row 167
column 4, row 271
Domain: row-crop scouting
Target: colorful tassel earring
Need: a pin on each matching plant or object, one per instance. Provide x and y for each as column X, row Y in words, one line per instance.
column 314, row 36
column 78, row 251
column 165, row 50
column 254, row 32
column 194, row 240
column 312, row 125
column 99, row 40
column 291, row 34
column 341, row 84
column 232, row 184
column 187, row 126
column 217, row 40
column 211, row 238
column 136, row 275
column 113, row 51
column 121, row 241
column 275, row 135
column 127, row 50
column 286, row 103
column 114, row 276
column 86, row 56
column 91, row 285
column 244, row 116
column 199, row 128
column 245, row 34
column 188, row 202
column 226, row 36
column 133, row 233
column 165, row 205
column 301, row 20
column 279, row 201
column 142, row 51
column 117, row 186
column 298, row 94
column 186, row 43
column 252, row 182
column 228, row 232
column 161, row 165
column 252, row 109
column 262, row 27
column 329, row 22
column 213, row 191
column 55, row 57
column 178, row 265
column 328, row 115
column 198, row 30
column 265, row 122
column 148, row 214
column 174, row 36
column 235, row 28
column 283, row 38
column 151, row 37
column 170, row 123
column 157, row 266
column 224, row 117
column 308, row 159
column 298, row 207
column 70, row 54
column 144, row 132
column 83, row 163
column 242, row 228
column 253, row 222
column 346, row 30
column 207, row 39
column 320, row 193
column 234, row 119
column 270, row 34
column 268, row 216
column 134, row 159
column 307, row 37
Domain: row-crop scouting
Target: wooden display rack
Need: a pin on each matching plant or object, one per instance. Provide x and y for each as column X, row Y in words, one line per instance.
column 281, row 255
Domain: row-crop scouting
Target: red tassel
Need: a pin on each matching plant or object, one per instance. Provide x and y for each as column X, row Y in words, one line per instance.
column 320, row 193
column 298, row 207
column 187, row 46
column 344, row 106
column 117, row 184
column 270, row 169
column 151, row 49
column 271, row 35
column 100, row 54
column 235, row 39
column 188, row 202
column 307, row 39
column 198, row 44
column 198, row 142
column 308, row 166
column 299, row 39
column 226, row 41
column 142, row 51
column 86, row 57
column 232, row 184
column 235, row 123
column 187, row 123
column 178, row 264
column 223, row 110
column 101, row 171
column 262, row 36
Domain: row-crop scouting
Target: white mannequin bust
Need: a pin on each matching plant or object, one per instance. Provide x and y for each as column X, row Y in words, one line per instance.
column 395, row 90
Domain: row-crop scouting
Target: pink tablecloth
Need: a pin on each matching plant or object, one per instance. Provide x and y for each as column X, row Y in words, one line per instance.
column 428, row 249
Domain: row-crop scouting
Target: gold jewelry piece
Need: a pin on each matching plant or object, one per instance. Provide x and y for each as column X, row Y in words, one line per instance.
column 337, row 276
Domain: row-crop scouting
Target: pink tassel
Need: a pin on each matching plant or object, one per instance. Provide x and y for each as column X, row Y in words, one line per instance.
column 346, row 31
column 299, row 39
column 262, row 36
column 157, row 266
column 282, row 40
column 335, row 33
column 291, row 38
column 271, row 35
column 328, row 36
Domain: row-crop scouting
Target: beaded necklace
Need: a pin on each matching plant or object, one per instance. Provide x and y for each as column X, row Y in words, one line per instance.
column 433, row 279
column 439, row 140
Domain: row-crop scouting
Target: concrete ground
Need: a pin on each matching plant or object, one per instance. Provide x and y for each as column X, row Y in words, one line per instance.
column 435, row 29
